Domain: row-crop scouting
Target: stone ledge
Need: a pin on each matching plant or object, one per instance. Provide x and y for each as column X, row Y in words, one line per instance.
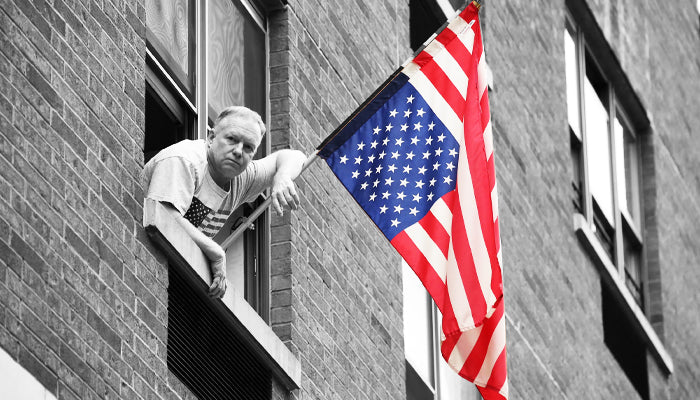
column 612, row 278
column 183, row 253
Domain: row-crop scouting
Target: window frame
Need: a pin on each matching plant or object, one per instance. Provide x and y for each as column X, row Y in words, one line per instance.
column 170, row 86
column 438, row 385
column 622, row 221
column 611, row 266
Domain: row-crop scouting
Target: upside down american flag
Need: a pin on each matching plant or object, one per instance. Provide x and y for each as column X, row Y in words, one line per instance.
column 417, row 156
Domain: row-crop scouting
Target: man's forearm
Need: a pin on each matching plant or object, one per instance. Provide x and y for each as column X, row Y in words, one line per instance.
column 211, row 249
column 290, row 163
column 208, row 246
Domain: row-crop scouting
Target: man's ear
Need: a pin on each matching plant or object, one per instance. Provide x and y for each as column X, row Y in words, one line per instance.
column 210, row 134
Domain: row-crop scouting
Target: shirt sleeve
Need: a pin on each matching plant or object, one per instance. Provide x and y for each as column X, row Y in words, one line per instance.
column 258, row 177
column 173, row 181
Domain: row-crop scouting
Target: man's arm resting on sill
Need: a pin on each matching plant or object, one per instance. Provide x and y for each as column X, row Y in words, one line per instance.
column 214, row 252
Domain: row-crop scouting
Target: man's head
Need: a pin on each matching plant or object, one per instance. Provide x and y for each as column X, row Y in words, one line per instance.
column 233, row 142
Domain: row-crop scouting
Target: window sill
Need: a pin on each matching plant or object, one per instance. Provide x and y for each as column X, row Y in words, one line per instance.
column 184, row 254
column 612, row 278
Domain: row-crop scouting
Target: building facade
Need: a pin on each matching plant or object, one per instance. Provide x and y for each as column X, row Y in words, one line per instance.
column 594, row 112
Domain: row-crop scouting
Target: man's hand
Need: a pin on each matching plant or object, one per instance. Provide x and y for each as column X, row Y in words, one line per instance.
column 284, row 193
column 218, row 273
column 213, row 252
column 288, row 165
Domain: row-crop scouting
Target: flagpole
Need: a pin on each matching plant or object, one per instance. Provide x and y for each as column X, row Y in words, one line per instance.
column 261, row 209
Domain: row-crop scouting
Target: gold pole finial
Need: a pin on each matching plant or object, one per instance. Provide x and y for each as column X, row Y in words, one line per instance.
column 477, row 4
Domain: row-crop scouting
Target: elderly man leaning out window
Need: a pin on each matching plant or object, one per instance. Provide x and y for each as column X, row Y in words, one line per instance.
column 201, row 182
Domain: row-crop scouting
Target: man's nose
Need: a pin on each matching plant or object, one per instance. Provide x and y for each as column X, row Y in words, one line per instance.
column 237, row 149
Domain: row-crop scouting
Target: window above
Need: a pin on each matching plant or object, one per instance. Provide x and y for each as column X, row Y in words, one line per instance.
column 606, row 154
column 609, row 139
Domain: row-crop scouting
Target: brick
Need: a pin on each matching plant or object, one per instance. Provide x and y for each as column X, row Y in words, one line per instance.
column 34, row 260
column 104, row 330
column 44, row 375
column 88, row 254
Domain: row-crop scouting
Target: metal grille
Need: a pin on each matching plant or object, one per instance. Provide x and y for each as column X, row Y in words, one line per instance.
column 204, row 353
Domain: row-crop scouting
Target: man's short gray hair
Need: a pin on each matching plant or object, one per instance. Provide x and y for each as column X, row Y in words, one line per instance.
column 241, row 112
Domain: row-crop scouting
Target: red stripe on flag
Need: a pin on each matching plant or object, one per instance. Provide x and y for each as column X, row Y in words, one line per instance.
column 490, row 394
column 476, row 156
column 423, row 58
column 465, row 263
column 498, row 375
column 420, row 265
column 426, row 273
column 475, row 360
column 436, row 231
column 444, row 86
column 456, row 48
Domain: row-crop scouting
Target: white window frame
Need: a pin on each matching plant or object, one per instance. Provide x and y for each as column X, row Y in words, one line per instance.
column 612, row 268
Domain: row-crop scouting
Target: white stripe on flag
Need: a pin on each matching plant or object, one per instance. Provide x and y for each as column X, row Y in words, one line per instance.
column 463, row 348
column 427, row 246
column 496, row 346
column 449, row 66
column 488, row 140
column 443, row 214
column 494, row 201
column 467, row 200
column 464, row 32
column 482, row 75
column 457, row 291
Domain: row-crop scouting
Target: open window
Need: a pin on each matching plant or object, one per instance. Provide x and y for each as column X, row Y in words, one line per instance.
column 202, row 56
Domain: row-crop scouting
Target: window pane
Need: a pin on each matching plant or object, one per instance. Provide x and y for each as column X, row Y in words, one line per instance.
column 572, row 93
column 235, row 254
column 627, row 164
column 417, row 325
column 236, row 51
column 598, row 147
column 169, row 23
column 633, row 268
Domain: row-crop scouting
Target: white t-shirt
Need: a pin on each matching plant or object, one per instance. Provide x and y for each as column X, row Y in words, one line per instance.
column 179, row 175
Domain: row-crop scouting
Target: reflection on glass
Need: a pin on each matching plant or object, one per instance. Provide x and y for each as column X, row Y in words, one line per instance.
column 598, row 147
column 417, row 325
column 236, row 53
column 627, row 164
column 168, row 22
column 572, row 97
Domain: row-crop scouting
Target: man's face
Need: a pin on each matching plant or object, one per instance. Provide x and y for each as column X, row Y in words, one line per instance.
column 232, row 146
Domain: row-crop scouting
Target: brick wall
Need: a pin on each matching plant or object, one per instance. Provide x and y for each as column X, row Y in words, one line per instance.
column 553, row 292
column 83, row 297
column 345, row 278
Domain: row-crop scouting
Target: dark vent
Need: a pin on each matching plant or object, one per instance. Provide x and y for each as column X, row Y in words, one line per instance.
column 204, row 353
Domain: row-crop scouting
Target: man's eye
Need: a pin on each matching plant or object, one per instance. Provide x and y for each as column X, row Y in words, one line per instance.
column 248, row 149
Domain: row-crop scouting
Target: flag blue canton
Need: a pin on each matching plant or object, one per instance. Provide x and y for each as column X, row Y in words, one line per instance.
column 399, row 162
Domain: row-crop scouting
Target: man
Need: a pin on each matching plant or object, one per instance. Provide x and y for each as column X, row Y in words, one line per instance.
column 201, row 182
